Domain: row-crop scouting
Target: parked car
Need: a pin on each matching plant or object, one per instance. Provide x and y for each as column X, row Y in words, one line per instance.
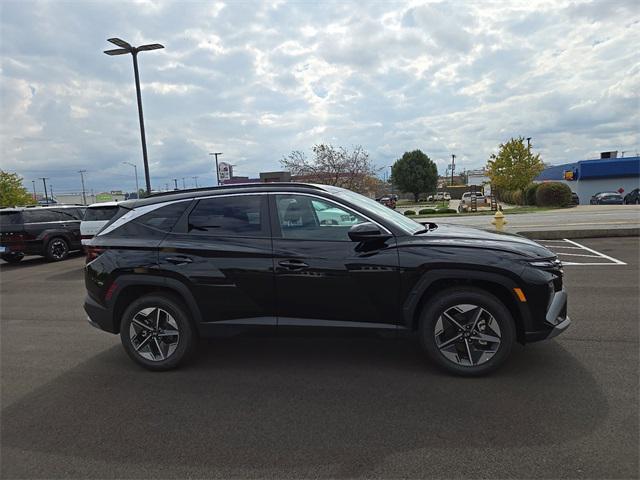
column 51, row 231
column 611, row 198
column 173, row 267
column 633, row 197
column 388, row 201
column 467, row 198
column 594, row 198
column 96, row 216
column 447, row 196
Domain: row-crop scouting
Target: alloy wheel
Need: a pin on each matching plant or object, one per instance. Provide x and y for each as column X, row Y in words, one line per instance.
column 467, row 335
column 154, row 334
column 58, row 249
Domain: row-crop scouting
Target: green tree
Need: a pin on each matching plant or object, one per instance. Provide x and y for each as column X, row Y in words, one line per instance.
column 12, row 192
column 514, row 167
column 415, row 173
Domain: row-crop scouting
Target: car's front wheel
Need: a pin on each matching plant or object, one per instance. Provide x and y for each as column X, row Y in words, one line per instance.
column 157, row 333
column 467, row 331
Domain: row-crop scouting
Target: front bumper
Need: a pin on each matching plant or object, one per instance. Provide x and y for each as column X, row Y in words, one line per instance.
column 556, row 319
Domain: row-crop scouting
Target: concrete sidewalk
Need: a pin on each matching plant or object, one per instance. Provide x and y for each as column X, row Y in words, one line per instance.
column 583, row 221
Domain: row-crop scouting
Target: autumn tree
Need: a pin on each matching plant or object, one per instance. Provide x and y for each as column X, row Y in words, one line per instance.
column 514, row 167
column 331, row 165
column 415, row 172
column 12, row 192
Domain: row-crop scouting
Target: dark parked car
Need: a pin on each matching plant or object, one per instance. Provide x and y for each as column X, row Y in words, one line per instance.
column 172, row 267
column 48, row 231
column 609, row 198
column 594, row 198
column 633, row 197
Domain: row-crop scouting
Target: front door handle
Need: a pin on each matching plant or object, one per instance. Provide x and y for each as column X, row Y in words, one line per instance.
column 179, row 260
column 293, row 264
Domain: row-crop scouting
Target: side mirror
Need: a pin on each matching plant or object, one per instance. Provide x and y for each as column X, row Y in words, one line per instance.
column 366, row 232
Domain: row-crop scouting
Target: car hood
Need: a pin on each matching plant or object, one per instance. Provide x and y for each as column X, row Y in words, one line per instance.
column 454, row 235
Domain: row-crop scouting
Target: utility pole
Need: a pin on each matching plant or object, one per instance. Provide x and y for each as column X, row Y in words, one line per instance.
column 453, row 166
column 183, row 184
column 195, row 180
column 44, row 182
column 175, row 181
column 84, row 195
column 217, row 170
column 126, row 48
column 34, row 190
column 135, row 170
column 51, row 190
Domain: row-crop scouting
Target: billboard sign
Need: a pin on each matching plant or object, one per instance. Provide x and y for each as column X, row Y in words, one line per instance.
column 225, row 171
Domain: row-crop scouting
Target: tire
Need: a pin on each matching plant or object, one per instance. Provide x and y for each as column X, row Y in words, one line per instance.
column 12, row 257
column 161, row 351
column 495, row 323
column 57, row 249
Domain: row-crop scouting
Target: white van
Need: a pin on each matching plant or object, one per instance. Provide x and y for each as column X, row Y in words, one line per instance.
column 95, row 217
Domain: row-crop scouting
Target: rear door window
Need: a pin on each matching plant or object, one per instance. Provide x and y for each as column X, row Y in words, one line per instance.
column 235, row 216
column 40, row 216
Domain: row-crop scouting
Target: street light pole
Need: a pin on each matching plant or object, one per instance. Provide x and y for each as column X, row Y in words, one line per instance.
column 44, row 182
column 529, row 143
column 217, row 169
column 175, row 181
column 453, row 166
column 195, row 179
column 124, row 49
column 135, row 170
column 391, row 177
column 84, row 196
column 34, row 190
column 184, row 187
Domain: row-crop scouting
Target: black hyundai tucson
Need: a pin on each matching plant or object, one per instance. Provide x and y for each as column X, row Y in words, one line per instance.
column 174, row 267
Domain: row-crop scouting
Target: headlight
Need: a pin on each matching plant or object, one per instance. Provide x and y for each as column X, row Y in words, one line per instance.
column 551, row 264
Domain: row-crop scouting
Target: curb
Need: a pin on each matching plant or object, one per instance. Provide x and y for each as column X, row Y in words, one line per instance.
column 588, row 233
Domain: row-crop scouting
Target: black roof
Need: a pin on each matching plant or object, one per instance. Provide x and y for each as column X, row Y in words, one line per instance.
column 223, row 189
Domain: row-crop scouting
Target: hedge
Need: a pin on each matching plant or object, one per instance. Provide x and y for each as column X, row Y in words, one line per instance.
column 427, row 211
column 446, row 210
column 409, row 212
column 530, row 194
column 513, row 197
column 553, row 194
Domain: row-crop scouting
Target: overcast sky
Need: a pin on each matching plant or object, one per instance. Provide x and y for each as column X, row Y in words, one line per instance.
column 257, row 80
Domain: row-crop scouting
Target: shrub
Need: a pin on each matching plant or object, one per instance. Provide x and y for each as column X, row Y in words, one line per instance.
column 427, row 211
column 446, row 210
column 409, row 212
column 530, row 194
column 513, row 197
column 553, row 194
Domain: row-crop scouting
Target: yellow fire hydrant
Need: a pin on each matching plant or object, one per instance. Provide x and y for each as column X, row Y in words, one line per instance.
column 499, row 221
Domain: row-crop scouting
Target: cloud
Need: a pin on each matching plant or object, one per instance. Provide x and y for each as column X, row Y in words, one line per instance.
column 259, row 79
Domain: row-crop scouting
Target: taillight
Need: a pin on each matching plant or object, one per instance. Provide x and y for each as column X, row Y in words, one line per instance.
column 93, row 252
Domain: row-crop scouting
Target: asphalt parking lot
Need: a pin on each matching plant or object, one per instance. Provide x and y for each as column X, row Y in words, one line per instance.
column 74, row 406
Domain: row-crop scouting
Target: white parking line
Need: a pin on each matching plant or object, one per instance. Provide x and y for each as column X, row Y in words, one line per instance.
column 590, row 253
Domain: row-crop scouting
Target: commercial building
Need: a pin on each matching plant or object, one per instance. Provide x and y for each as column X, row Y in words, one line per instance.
column 588, row 177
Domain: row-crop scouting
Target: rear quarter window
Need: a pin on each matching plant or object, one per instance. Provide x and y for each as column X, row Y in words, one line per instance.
column 100, row 213
column 10, row 218
column 156, row 223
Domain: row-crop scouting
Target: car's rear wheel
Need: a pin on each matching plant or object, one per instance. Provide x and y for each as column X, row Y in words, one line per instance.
column 57, row 249
column 12, row 257
column 467, row 331
column 156, row 332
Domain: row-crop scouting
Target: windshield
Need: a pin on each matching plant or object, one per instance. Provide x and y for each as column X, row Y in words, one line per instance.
column 392, row 216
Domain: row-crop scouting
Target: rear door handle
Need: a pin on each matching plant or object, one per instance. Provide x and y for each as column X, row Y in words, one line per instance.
column 293, row 264
column 179, row 260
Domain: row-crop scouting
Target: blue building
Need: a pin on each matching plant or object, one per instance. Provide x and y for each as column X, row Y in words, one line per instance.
column 587, row 177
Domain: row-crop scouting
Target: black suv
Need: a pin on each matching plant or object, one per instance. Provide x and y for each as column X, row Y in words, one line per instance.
column 48, row 231
column 173, row 267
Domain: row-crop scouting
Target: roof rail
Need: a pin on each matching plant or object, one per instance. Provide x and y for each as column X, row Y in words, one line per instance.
column 235, row 186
